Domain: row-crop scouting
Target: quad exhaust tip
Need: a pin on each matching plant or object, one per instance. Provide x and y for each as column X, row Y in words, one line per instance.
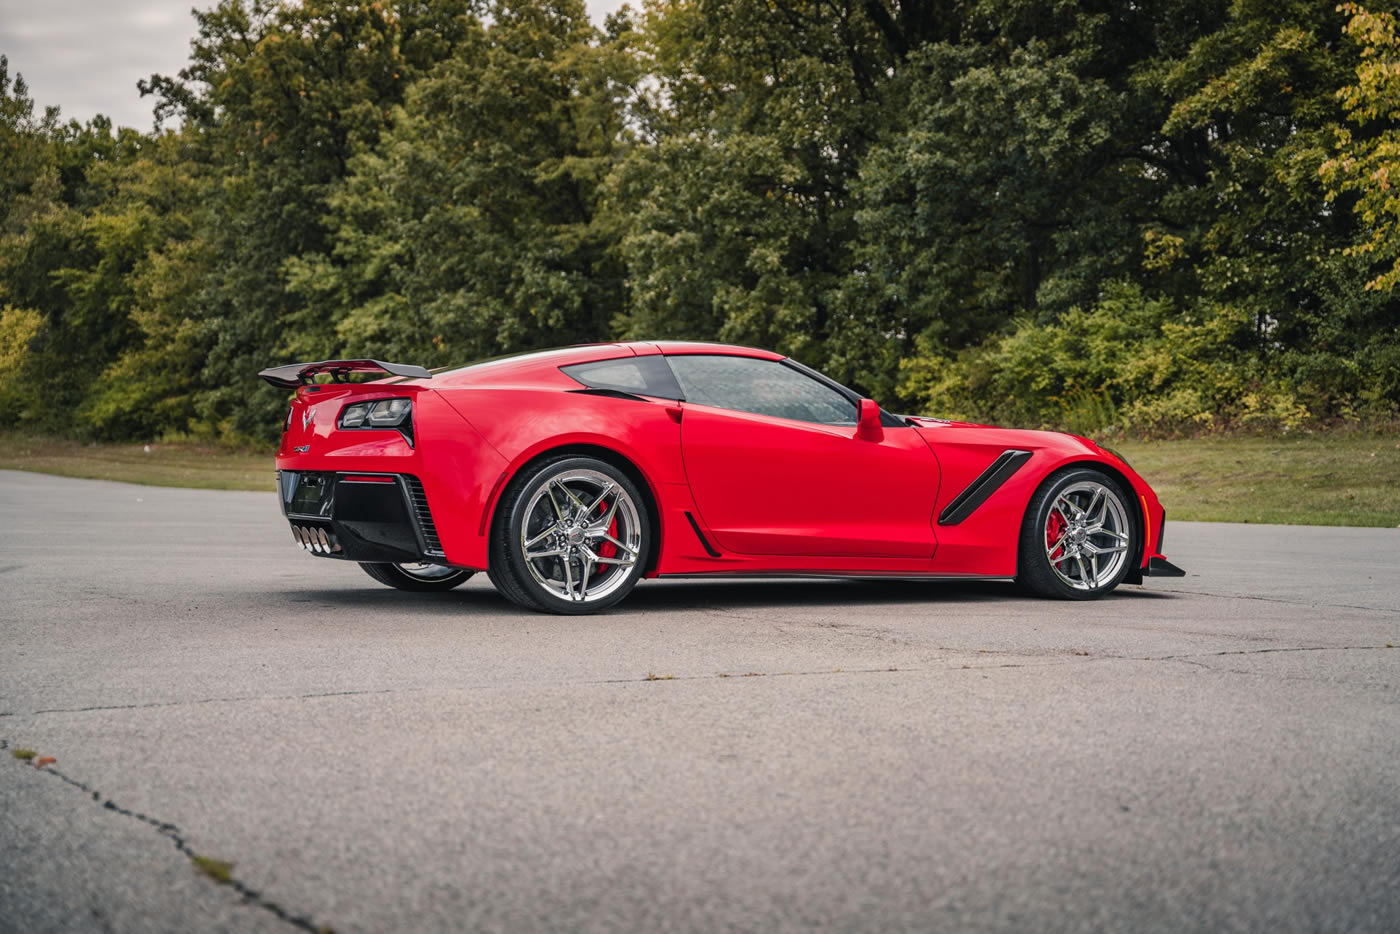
column 317, row 541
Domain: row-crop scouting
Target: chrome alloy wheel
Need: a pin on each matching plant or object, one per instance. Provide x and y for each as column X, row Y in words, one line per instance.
column 1087, row 535
column 427, row 572
column 581, row 535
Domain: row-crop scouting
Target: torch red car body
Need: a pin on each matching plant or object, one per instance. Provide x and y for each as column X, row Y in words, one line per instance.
column 714, row 460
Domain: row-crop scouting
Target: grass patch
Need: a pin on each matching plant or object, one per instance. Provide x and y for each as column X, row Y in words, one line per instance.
column 1346, row 478
column 216, row 869
column 23, row 755
column 1335, row 479
column 201, row 466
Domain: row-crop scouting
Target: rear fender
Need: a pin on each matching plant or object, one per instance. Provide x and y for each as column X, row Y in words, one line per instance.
column 523, row 425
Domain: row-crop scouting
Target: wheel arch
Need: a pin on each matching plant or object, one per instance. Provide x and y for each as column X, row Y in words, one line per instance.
column 599, row 452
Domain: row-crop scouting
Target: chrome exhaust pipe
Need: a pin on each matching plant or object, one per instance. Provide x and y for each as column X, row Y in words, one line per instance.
column 316, row 541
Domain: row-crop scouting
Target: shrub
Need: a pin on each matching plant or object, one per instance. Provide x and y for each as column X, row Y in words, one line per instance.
column 1134, row 364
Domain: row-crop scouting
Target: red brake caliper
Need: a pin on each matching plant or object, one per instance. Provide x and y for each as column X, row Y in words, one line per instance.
column 1054, row 528
column 608, row 549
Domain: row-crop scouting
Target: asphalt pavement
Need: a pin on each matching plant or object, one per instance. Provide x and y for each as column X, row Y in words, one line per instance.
column 1216, row 752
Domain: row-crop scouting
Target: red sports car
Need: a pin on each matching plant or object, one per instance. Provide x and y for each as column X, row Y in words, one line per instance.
column 567, row 475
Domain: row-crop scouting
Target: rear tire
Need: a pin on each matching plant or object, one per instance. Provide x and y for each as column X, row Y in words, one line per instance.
column 1079, row 536
column 420, row 578
column 571, row 536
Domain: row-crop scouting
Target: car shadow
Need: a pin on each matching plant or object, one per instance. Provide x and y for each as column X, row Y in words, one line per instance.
column 777, row 592
column 663, row 595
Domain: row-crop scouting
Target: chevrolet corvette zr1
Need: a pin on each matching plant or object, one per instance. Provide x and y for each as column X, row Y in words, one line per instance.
column 567, row 475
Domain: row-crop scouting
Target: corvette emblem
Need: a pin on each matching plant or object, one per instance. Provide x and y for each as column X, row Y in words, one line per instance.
column 307, row 418
column 301, row 449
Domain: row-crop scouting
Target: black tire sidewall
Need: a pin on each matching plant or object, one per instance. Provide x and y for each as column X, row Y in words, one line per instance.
column 393, row 576
column 1035, row 570
column 521, row 580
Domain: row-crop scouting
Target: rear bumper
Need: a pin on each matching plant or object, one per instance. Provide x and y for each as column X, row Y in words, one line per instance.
column 360, row 516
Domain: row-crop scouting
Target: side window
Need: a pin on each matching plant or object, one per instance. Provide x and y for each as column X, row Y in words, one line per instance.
column 645, row 376
column 763, row 387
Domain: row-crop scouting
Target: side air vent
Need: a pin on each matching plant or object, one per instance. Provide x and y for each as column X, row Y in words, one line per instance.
column 987, row 483
column 419, row 501
column 705, row 542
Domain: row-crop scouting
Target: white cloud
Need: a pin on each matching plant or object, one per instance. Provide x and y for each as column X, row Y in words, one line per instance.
column 85, row 56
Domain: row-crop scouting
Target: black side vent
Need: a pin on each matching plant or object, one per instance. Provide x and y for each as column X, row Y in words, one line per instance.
column 987, row 483
column 709, row 549
column 419, row 501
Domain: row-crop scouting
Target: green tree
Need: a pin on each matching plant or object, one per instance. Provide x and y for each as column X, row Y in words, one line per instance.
column 736, row 217
column 62, row 268
column 284, row 95
column 1367, row 159
column 29, row 190
column 473, row 228
column 1163, row 215
column 156, row 211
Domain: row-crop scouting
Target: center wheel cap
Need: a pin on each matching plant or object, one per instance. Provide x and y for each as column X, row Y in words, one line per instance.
column 575, row 536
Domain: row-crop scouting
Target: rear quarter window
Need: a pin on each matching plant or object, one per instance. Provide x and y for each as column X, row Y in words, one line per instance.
column 643, row 376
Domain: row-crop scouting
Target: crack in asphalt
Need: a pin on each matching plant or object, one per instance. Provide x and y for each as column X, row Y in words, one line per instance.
column 1245, row 596
column 1271, row 675
column 1071, row 657
column 809, row 673
column 99, row 708
column 206, row 700
column 1281, row 648
column 176, row 836
column 1194, row 660
column 1044, row 659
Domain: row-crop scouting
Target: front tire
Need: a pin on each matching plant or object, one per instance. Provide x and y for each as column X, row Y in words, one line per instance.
column 1078, row 537
column 571, row 537
column 421, row 578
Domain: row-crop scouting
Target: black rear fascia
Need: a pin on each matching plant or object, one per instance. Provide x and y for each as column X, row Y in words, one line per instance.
column 375, row 521
column 987, row 483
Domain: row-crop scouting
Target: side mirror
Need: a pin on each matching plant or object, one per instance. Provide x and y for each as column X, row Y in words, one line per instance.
column 868, row 426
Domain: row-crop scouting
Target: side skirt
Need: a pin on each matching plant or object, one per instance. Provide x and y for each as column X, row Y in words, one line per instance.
column 835, row 575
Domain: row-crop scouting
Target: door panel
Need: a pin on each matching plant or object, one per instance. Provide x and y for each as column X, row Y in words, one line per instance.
column 776, row 486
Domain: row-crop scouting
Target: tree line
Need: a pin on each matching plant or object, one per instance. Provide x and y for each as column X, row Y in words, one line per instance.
column 1162, row 216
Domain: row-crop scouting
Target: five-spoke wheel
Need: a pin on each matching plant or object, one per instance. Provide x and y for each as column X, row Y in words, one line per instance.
column 571, row 537
column 1078, row 535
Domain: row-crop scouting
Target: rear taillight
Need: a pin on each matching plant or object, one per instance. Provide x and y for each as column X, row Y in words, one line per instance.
column 379, row 415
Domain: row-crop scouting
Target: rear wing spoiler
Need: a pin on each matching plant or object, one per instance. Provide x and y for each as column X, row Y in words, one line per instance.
column 298, row 374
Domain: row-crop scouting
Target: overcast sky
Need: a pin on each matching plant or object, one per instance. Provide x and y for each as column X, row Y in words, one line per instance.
column 87, row 55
